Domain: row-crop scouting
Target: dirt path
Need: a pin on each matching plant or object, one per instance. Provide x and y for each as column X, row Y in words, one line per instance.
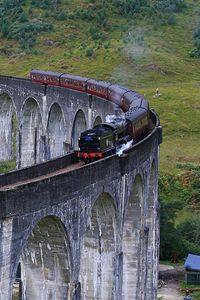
column 170, row 291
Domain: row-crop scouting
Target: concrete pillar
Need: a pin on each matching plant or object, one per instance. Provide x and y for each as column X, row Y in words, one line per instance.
column 98, row 252
column 30, row 134
column 56, row 131
column 5, row 259
column 132, row 243
column 6, row 127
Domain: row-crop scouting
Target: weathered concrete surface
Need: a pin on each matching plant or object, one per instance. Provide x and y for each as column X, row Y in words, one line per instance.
column 45, row 262
column 6, row 125
column 87, row 234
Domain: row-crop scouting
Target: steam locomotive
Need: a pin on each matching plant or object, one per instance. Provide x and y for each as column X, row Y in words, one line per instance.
column 104, row 139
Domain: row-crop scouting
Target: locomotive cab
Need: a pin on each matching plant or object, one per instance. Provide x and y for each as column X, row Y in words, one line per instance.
column 104, row 139
column 96, row 143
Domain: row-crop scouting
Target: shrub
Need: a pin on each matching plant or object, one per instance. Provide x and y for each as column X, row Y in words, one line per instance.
column 170, row 5
column 61, row 16
column 190, row 229
column 196, row 37
column 96, row 34
column 84, row 14
column 89, row 52
column 171, row 20
column 30, row 10
column 171, row 244
column 5, row 29
column 46, row 14
column 101, row 18
column 129, row 7
column 107, row 45
column 22, row 18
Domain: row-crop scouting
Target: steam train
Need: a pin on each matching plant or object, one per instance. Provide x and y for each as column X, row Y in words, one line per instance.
column 104, row 139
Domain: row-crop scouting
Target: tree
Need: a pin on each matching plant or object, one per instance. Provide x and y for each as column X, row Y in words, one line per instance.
column 171, row 244
column 190, row 229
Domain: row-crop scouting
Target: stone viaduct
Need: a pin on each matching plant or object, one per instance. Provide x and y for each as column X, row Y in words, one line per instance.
column 91, row 232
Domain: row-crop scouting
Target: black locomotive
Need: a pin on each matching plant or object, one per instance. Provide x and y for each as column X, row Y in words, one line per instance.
column 107, row 138
column 101, row 141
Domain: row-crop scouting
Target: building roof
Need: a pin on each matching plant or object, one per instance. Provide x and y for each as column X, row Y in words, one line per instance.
column 192, row 262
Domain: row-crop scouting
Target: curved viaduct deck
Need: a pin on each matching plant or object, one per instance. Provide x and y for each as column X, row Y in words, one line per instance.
column 88, row 233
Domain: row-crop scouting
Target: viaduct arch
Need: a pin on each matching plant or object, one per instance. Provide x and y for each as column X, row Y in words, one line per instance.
column 89, row 233
column 49, row 118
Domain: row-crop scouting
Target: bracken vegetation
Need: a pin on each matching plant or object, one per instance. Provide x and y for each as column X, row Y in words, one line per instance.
column 23, row 22
column 16, row 23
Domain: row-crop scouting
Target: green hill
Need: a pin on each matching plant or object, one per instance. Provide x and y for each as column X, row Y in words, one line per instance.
column 143, row 45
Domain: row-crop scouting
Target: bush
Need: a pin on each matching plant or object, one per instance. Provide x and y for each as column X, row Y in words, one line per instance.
column 196, row 37
column 169, row 5
column 171, row 20
column 101, row 18
column 129, row 7
column 22, row 18
column 189, row 247
column 171, row 244
column 107, row 45
column 89, row 52
column 44, row 4
column 61, row 16
column 84, row 14
column 96, row 34
column 190, row 229
column 5, row 29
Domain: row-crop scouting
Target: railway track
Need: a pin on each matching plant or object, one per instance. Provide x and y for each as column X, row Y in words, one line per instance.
column 67, row 169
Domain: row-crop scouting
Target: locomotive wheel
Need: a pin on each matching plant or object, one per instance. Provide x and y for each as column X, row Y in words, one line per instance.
column 87, row 160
